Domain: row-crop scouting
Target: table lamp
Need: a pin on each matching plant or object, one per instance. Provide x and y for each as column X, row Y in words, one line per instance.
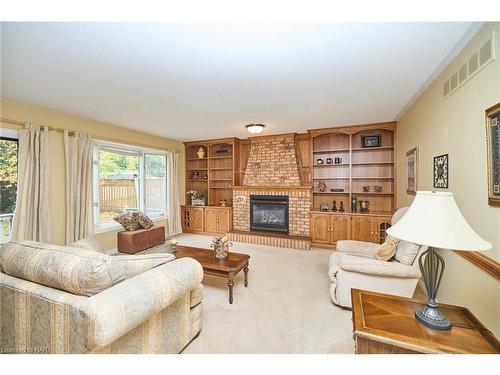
column 434, row 220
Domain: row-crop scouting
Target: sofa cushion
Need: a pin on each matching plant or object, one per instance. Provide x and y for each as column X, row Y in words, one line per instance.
column 387, row 250
column 135, row 264
column 87, row 243
column 406, row 252
column 141, row 219
column 128, row 221
column 75, row 270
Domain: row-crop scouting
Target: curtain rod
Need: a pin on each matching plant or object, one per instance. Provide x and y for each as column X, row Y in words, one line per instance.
column 72, row 133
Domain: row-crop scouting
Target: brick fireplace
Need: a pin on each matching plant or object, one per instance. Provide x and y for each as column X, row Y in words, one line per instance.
column 272, row 171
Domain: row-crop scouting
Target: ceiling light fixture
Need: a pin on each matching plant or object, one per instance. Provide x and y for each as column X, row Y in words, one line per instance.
column 255, row 128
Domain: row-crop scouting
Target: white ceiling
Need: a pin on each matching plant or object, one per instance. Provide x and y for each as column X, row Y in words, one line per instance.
column 195, row 81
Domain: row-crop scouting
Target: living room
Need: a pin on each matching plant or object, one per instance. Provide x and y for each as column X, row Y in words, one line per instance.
column 253, row 188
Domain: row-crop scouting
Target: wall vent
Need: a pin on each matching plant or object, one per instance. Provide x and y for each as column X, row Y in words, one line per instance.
column 473, row 63
column 462, row 74
column 446, row 87
column 469, row 68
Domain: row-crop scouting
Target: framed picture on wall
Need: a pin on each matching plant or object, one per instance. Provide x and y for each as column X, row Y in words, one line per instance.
column 411, row 171
column 493, row 154
column 441, row 171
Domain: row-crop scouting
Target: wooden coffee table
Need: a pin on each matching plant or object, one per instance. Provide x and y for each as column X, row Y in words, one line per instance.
column 226, row 268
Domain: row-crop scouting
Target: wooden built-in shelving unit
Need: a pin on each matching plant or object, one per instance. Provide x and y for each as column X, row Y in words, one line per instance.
column 360, row 166
column 217, row 172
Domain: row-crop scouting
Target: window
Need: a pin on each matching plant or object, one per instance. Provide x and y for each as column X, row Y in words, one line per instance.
column 8, row 184
column 128, row 178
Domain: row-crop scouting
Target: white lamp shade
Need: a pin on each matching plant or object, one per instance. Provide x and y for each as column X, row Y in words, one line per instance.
column 434, row 219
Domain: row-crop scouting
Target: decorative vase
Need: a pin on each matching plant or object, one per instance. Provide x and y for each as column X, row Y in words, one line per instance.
column 354, row 204
column 201, row 153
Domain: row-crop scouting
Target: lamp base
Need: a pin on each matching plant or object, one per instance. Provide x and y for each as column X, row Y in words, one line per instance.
column 432, row 267
column 431, row 317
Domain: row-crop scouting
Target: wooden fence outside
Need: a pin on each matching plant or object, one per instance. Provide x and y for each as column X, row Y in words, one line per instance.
column 115, row 195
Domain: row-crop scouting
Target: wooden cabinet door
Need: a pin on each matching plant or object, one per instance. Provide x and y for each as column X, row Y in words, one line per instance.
column 196, row 219
column 320, row 228
column 340, row 228
column 362, row 229
column 185, row 218
column 380, row 225
column 211, row 220
column 224, row 221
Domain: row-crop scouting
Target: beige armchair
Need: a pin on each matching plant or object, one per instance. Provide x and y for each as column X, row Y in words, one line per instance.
column 353, row 265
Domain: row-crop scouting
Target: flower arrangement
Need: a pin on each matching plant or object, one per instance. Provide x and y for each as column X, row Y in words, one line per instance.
column 198, row 198
column 221, row 247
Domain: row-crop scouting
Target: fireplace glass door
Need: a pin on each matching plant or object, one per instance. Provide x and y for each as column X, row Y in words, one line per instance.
column 269, row 213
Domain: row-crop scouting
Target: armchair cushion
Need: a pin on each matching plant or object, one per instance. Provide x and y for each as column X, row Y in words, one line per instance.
column 358, row 248
column 406, row 252
column 371, row 266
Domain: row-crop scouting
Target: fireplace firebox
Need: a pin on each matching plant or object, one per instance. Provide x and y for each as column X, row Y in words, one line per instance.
column 269, row 213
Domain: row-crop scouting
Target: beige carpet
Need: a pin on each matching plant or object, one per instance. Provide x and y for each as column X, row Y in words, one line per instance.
column 285, row 309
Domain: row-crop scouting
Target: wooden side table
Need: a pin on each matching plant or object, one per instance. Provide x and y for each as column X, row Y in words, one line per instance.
column 386, row 324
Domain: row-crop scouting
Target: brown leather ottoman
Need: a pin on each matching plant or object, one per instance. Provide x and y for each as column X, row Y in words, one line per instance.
column 132, row 241
column 156, row 235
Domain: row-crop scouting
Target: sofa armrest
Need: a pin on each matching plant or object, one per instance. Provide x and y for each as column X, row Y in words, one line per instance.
column 378, row 267
column 117, row 310
column 358, row 248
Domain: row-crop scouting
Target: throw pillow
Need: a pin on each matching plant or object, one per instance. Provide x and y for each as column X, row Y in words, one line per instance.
column 406, row 252
column 144, row 221
column 387, row 250
column 88, row 243
column 127, row 221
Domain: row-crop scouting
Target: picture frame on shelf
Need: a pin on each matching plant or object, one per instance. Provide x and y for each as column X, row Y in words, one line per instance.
column 493, row 154
column 370, row 140
column 441, row 171
column 411, row 171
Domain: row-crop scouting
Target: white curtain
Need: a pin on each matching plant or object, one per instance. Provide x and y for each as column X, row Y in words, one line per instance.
column 78, row 151
column 32, row 214
column 173, row 195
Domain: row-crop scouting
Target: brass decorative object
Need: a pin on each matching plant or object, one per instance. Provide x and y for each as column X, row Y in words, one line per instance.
column 201, row 153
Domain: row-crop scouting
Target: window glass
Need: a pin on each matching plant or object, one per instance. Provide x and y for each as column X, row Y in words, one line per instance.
column 128, row 179
column 155, row 186
column 119, row 184
column 8, row 185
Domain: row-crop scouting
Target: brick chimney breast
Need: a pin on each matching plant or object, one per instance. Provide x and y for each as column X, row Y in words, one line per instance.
column 272, row 162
